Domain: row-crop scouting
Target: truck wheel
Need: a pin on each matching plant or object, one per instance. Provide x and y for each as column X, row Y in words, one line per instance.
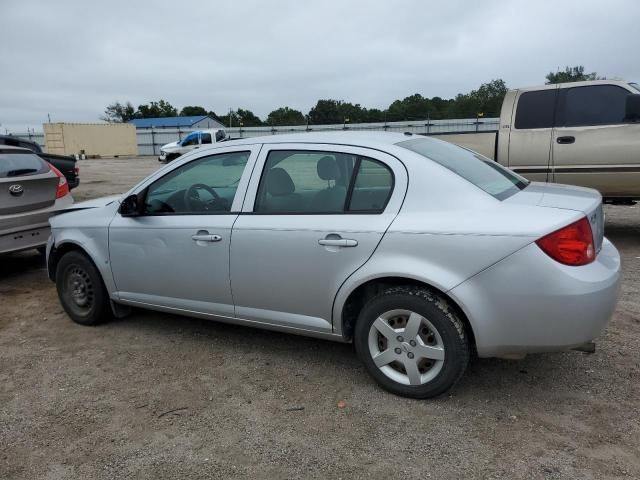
column 81, row 290
column 411, row 342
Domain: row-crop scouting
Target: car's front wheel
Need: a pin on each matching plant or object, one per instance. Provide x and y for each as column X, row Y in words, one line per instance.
column 80, row 289
column 411, row 342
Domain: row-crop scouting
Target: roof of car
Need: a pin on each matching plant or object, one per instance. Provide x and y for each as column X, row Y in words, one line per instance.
column 16, row 149
column 355, row 138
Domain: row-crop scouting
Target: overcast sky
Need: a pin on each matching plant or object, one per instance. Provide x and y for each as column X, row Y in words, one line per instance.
column 72, row 58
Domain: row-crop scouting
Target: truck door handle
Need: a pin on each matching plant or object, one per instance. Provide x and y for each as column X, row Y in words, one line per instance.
column 566, row 140
column 333, row 240
column 204, row 236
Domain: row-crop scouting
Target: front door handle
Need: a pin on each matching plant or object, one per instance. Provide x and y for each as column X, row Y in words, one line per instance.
column 204, row 236
column 334, row 240
column 566, row 140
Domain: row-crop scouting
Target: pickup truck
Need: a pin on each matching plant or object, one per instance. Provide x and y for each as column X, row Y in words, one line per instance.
column 581, row 133
column 194, row 140
column 66, row 164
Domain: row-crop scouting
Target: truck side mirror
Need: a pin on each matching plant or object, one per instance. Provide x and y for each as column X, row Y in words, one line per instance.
column 130, row 206
column 632, row 108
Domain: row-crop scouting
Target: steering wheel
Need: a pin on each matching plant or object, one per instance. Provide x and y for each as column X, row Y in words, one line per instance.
column 192, row 198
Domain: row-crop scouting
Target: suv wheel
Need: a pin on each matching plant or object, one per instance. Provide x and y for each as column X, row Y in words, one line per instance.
column 411, row 342
column 81, row 290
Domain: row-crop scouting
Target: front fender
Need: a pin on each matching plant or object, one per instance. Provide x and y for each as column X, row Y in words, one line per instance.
column 92, row 237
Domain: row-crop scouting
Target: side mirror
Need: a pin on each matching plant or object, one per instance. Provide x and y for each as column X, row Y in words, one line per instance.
column 130, row 206
column 632, row 108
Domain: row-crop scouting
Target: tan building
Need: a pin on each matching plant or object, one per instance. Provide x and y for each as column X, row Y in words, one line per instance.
column 92, row 139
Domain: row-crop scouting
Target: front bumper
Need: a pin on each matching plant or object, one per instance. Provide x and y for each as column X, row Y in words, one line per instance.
column 529, row 303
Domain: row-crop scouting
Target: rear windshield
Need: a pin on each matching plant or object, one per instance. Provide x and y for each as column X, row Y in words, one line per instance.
column 473, row 167
column 14, row 164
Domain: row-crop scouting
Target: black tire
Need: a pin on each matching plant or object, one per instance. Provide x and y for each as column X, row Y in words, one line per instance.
column 451, row 337
column 92, row 308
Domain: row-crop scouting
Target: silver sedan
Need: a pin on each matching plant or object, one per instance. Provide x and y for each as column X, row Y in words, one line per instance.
column 419, row 252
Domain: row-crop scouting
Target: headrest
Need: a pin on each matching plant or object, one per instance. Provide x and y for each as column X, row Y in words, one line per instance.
column 328, row 168
column 279, row 182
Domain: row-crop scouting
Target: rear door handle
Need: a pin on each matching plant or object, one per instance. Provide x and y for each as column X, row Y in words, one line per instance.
column 204, row 236
column 566, row 140
column 337, row 241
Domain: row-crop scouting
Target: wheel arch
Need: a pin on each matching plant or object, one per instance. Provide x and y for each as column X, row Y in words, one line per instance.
column 360, row 293
column 58, row 251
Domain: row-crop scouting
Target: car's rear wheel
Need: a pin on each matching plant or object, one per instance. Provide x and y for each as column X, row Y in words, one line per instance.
column 411, row 342
column 80, row 289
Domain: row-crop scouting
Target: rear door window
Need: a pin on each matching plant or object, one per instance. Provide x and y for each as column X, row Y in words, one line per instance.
column 307, row 181
column 372, row 187
column 536, row 109
column 592, row 105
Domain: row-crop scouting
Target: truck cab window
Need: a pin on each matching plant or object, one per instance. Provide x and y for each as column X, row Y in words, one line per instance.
column 536, row 109
column 191, row 139
column 592, row 105
column 206, row 138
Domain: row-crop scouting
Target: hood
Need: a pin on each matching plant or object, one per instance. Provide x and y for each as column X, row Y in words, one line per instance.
column 170, row 146
column 94, row 203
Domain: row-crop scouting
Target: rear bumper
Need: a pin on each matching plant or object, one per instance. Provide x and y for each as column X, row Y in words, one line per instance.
column 21, row 231
column 24, row 239
column 529, row 303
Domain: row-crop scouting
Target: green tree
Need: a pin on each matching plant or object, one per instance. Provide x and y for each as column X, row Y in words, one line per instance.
column 486, row 100
column 192, row 111
column 161, row 108
column 240, row 117
column 285, row 116
column 325, row 112
column 330, row 111
column 571, row 74
column 119, row 113
column 248, row 118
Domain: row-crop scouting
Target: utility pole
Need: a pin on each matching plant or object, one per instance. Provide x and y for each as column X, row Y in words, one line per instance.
column 230, row 120
column 49, row 117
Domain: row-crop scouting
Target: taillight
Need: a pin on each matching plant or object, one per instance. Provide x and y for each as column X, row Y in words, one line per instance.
column 63, row 186
column 571, row 245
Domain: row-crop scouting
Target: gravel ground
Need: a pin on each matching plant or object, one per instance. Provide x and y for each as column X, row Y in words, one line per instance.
column 163, row 396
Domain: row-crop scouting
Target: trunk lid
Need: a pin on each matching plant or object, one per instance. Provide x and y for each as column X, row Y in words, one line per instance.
column 23, row 194
column 567, row 197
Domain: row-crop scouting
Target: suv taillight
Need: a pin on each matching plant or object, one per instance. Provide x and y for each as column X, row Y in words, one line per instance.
column 571, row 245
column 63, row 186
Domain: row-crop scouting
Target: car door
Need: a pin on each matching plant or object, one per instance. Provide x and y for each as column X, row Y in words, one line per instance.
column 175, row 254
column 593, row 145
column 312, row 216
column 530, row 135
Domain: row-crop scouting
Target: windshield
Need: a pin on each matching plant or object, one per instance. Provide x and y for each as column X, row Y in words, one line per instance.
column 484, row 173
column 635, row 86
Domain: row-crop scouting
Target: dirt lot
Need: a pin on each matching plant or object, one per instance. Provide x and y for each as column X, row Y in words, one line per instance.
column 162, row 396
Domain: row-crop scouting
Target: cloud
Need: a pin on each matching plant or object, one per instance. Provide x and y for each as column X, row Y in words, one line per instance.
column 71, row 59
